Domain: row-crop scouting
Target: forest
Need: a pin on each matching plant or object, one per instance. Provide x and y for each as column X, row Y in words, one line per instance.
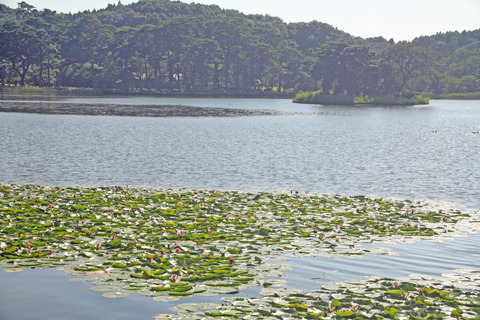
column 170, row 47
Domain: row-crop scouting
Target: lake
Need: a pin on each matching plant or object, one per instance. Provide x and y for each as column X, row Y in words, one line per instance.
column 420, row 152
column 405, row 152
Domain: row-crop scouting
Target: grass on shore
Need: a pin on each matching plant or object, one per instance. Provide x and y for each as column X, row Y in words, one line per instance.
column 458, row 96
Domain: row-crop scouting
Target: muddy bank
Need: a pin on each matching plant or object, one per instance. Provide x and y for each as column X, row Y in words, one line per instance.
column 128, row 110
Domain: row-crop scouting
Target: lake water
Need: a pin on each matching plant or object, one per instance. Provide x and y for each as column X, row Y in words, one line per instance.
column 405, row 152
column 419, row 152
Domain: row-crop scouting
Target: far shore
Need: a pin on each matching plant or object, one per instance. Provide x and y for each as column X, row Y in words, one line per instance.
column 69, row 92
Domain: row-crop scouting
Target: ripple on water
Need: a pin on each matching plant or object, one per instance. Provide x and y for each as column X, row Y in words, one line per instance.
column 389, row 152
column 425, row 257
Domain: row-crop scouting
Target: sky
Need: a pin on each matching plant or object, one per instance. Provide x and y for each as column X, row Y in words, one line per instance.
column 397, row 19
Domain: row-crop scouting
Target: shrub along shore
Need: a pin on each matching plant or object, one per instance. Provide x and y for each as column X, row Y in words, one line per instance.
column 319, row 97
column 174, row 243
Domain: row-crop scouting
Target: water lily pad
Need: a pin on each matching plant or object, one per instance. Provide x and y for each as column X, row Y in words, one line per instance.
column 166, row 299
column 135, row 240
column 105, row 288
column 84, row 279
column 163, row 316
column 13, row 270
column 115, row 295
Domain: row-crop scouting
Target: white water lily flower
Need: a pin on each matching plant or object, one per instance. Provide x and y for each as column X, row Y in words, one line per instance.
column 278, row 313
column 314, row 310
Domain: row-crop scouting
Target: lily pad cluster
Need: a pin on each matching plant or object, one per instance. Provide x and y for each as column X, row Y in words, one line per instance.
column 373, row 298
column 169, row 243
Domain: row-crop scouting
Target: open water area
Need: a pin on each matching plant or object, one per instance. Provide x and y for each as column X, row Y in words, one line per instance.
column 420, row 152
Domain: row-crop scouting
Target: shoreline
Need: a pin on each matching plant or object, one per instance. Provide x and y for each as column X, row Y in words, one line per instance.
column 29, row 91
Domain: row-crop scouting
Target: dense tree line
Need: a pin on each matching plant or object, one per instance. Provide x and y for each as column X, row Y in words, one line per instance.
column 174, row 47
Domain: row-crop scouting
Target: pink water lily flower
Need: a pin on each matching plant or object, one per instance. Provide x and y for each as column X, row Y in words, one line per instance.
column 29, row 249
column 114, row 237
column 174, row 278
column 177, row 250
column 330, row 308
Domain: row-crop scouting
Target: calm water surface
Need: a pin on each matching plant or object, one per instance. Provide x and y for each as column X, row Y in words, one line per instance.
column 427, row 152
column 406, row 152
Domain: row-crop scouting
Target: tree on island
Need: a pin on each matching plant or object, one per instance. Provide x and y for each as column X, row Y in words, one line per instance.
column 404, row 69
column 342, row 68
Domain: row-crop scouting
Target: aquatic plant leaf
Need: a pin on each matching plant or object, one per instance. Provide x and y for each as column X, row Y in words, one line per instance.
column 105, row 288
column 115, row 295
column 395, row 292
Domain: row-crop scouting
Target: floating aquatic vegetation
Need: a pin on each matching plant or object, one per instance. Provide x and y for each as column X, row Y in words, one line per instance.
column 373, row 298
column 170, row 244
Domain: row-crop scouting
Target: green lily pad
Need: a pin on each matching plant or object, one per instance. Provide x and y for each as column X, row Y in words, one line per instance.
column 105, row 288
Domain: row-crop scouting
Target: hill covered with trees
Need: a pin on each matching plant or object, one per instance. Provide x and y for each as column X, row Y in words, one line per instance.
column 170, row 47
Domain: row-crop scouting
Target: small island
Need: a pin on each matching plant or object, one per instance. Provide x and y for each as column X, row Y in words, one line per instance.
column 351, row 75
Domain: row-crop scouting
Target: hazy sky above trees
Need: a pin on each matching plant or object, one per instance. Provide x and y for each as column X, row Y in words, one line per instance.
column 400, row 20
